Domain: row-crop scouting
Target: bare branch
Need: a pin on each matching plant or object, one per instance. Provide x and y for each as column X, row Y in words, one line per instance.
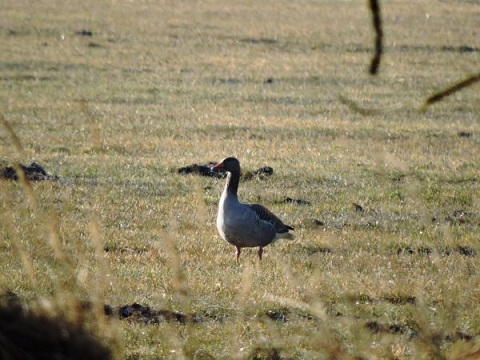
column 377, row 25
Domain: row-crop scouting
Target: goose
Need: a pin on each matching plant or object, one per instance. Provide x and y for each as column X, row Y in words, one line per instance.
column 242, row 224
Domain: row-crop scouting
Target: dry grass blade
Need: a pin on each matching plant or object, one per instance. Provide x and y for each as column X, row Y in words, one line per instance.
column 98, row 244
column 15, row 139
column 9, row 227
column 317, row 309
column 353, row 106
column 377, row 25
column 197, row 82
column 93, row 125
column 450, row 90
column 167, row 246
column 54, row 236
column 246, row 285
column 27, row 186
column 357, row 108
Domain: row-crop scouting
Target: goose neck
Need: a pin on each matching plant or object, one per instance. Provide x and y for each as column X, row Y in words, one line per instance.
column 233, row 179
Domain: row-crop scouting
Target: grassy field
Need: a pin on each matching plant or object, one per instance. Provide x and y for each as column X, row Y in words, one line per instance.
column 113, row 97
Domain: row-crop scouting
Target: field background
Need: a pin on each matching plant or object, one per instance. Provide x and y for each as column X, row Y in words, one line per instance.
column 158, row 85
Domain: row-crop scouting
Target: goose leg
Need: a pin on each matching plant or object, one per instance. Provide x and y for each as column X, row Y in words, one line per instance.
column 260, row 252
column 239, row 250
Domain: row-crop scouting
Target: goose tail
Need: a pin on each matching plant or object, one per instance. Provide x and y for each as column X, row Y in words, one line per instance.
column 283, row 235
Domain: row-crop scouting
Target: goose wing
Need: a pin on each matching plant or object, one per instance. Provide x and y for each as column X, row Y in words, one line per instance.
column 266, row 215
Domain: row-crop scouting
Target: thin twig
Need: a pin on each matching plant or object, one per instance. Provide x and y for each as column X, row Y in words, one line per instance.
column 13, row 135
column 450, row 90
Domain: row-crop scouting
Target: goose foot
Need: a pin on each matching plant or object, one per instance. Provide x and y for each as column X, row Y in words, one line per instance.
column 260, row 252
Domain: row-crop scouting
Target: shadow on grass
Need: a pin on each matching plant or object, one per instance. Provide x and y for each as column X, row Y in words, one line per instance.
column 25, row 334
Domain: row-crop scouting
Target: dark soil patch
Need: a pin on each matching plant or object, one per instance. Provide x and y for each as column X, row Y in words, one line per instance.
column 458, row 335
column 84, row 33
column 215, row 315
column 280, row 315
column 411, row 250
column 462, row 49
column 228, row 81
column 312, row 250
column 264, row 41
column 264, row 353
column 464, row 250
column 376, row 327
column 399, row 299
column 360, row 298
column 146, row 315
column 260, row 173
column 123, row 250
column 465, row 134
column 358, row 207
column 395, row 299
column 318, row 222
column 414, row 331
column 289, row 200
column 205, row 169
column 138, row 313
column 26, row 77
column 460, row 217
column 33, row 172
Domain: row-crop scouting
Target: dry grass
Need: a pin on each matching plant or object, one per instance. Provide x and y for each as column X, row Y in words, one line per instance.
column 161, row 85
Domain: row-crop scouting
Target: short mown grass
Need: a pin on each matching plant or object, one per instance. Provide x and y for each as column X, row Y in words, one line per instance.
column 157, row 86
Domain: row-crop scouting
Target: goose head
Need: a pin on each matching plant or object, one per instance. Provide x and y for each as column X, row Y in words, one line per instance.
column 230, row 164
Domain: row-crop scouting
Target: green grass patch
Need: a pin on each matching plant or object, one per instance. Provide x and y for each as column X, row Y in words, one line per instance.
column 385, row 201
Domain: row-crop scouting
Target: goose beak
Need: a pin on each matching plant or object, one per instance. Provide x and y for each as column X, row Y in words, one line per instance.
column 218, row 166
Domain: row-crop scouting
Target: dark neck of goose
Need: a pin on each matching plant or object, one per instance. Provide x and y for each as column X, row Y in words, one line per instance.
column 233, row 179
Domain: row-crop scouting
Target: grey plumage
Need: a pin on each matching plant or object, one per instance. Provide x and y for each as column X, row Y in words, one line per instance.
column 243, row 224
